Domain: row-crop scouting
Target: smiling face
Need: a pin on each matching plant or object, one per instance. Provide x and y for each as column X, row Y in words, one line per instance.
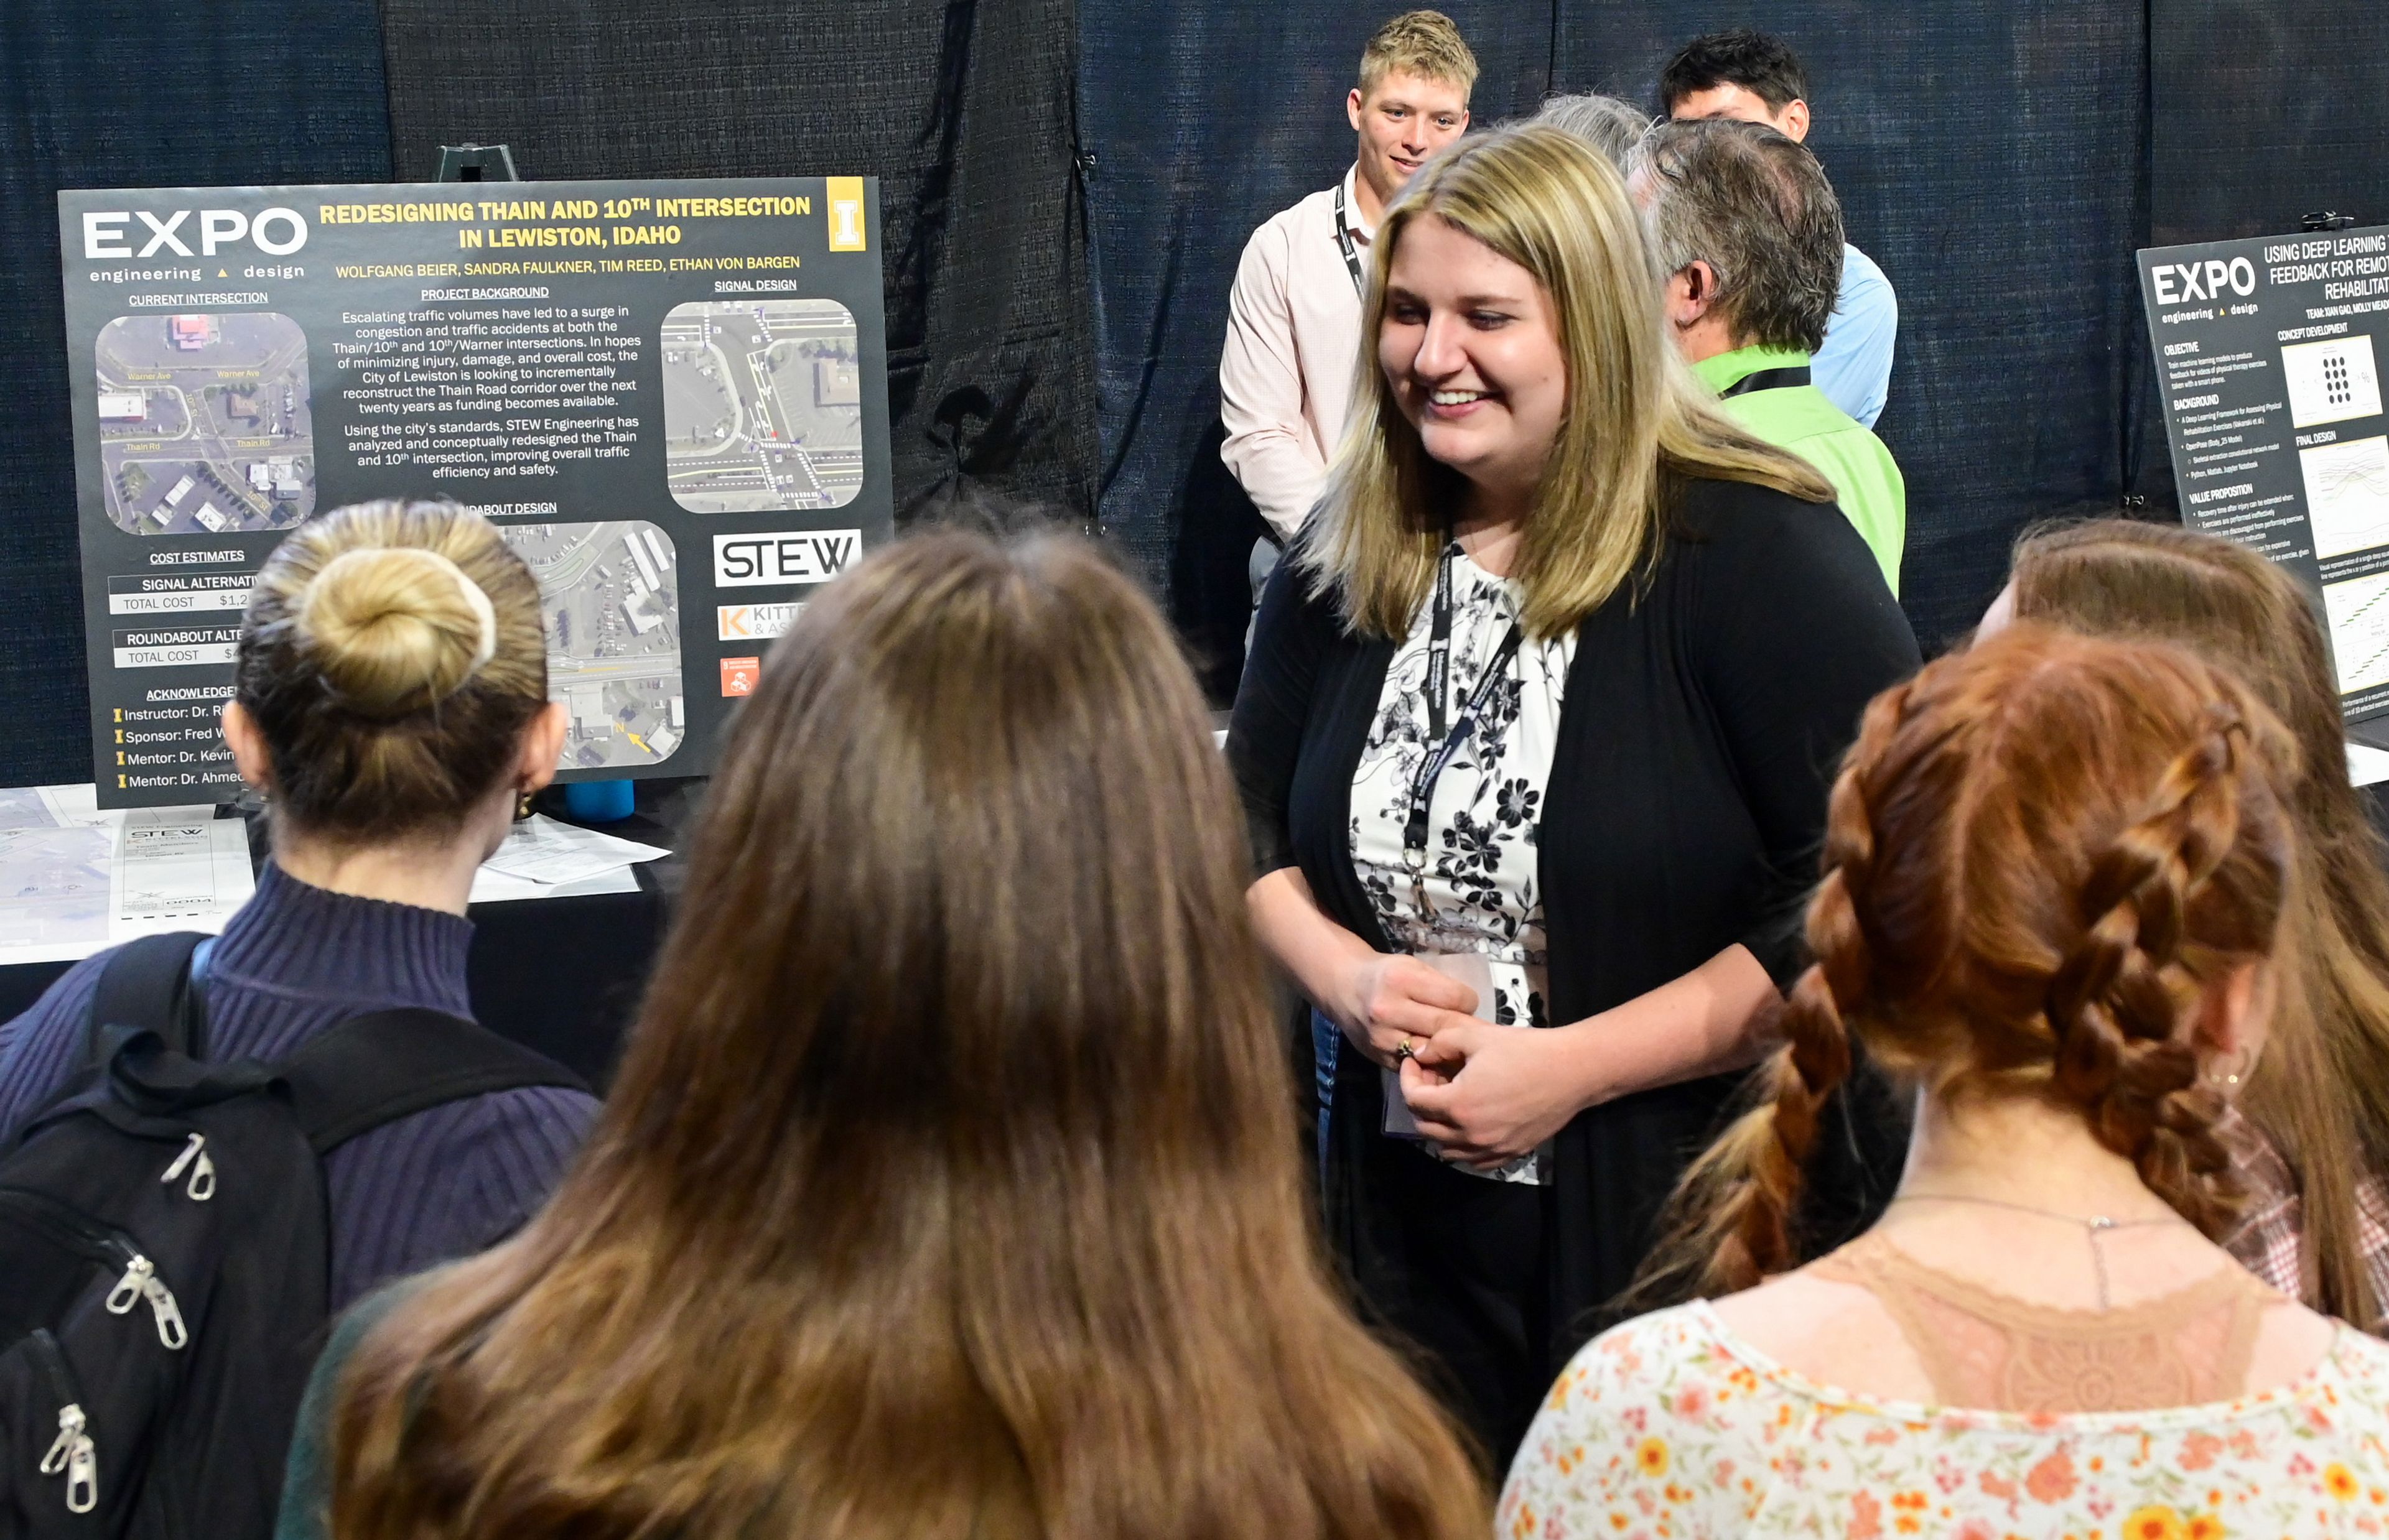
column 1471, row 349
column 1402, row 121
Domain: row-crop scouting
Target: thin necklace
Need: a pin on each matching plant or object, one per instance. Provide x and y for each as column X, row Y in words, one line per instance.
column 2093, row 1226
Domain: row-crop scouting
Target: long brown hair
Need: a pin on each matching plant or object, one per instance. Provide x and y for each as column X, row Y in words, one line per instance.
column 2323, row 1089
column 1636, row 420
column 946, row 1189
column 390, row 657
column 2037, row 854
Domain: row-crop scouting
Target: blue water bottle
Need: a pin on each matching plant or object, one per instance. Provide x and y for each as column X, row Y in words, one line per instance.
column 599, row 801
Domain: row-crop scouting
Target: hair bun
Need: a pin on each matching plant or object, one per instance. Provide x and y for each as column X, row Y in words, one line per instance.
column 395, row 628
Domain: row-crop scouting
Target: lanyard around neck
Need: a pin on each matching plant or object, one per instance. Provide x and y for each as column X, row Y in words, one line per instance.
column 1445, row 743
column 1768, row 379
column 1344, row 244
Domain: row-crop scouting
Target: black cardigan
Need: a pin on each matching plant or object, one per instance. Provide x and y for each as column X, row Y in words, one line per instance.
column 1702, row 719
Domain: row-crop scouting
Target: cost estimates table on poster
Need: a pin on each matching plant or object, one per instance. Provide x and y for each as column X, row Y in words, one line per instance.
column 670, row 396
column 2267, row 359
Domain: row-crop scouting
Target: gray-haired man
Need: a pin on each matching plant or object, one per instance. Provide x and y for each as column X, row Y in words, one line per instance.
column 1611, row 126
column 1749, row 233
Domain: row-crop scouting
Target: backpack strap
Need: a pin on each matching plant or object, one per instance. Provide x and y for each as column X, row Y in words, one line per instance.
column 373, row 1069
column 146, row 985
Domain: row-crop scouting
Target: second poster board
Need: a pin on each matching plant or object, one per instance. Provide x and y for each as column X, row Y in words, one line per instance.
column 2268, row 358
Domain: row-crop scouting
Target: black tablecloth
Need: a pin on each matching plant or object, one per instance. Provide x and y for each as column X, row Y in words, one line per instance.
column 562, row 975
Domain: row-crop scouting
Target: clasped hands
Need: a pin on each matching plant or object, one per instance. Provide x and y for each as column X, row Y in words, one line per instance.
column 1483, row 1095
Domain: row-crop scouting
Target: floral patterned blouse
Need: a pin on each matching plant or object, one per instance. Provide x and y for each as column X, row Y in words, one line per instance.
column 1672, row 1428
column 1479, row 888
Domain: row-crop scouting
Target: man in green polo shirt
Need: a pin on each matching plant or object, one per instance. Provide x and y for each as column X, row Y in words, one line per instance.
column 1749, row 233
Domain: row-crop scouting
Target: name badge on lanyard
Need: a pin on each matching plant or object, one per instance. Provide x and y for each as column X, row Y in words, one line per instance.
column 1447, row 741
column 1344, row 244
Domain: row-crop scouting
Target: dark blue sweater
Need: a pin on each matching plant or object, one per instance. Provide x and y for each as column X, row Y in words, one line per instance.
column 423, row 1189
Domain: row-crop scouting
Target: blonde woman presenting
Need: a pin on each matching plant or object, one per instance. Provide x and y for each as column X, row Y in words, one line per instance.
column 1552, row 685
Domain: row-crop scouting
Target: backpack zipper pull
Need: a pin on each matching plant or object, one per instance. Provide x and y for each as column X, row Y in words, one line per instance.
column 203, row 1173
column 130, row 1288
column 169, row 1314
column 71, row 1426
column 82, row 1475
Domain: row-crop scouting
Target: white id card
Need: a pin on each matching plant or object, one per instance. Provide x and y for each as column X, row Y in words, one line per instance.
column 1469, row 968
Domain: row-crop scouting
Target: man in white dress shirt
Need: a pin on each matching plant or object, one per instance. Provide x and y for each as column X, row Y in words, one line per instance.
column 1294, row 318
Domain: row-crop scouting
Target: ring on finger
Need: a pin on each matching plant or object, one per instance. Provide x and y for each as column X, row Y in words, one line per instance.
column 1407, row 1049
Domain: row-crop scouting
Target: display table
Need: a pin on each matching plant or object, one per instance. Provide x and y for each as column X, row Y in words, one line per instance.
column 565, row 975
column 562, row 975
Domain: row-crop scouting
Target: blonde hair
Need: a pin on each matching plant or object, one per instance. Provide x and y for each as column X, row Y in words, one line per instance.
column 1425, row 44
column 391, row 656
column 1637, row 423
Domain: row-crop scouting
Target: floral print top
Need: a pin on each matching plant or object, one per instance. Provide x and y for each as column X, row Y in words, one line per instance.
column 1671, row 1428
column 1479, row 892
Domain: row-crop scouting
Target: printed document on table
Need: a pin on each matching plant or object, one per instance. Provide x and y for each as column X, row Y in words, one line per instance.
column 81, row 880
column 178, row 869
column 73, row 806
column 22, row 807
column 492, row 887
column 53, row 892
column 542, row 851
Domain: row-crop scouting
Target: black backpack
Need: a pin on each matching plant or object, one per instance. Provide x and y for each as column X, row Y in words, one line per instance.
column 164, row 1251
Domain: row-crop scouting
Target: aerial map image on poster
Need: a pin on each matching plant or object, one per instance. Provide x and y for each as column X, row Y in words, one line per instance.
column 204, row 428
column 610, row 601
column 762, row 405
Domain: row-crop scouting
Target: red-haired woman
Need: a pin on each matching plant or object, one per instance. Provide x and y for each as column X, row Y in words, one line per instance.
column 2313, row 1142
column 2054, row 870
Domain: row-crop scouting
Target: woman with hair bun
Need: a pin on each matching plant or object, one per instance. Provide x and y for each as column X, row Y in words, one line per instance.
column 390, row 702
column 2054, row 871
column 944, row 1191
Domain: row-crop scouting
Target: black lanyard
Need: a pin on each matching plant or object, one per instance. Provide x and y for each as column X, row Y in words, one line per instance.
column 1768, row 379
column 1344, row 244
column 1450, row 741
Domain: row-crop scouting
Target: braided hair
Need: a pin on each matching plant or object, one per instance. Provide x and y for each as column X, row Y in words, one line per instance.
column 2039, row 856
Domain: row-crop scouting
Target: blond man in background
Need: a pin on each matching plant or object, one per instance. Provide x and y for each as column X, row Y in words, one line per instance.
column 1294, row 317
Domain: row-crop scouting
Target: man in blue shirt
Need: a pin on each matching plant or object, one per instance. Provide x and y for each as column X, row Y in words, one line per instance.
column 1749, row 75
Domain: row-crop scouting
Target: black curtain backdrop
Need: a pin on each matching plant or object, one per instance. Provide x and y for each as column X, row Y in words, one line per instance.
column 1198, row 122
column 962, row 109
column 2259, row 115
column 1058, row 262
column 1992, row 158
column 2263, row 113
column 113, row 94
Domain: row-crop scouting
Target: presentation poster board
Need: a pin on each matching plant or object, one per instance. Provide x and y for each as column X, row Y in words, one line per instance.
column 2268, row 360
column 672, row 395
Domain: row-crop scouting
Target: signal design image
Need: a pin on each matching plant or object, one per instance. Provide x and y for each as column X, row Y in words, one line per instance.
column 762, row 405
column 204, row 424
